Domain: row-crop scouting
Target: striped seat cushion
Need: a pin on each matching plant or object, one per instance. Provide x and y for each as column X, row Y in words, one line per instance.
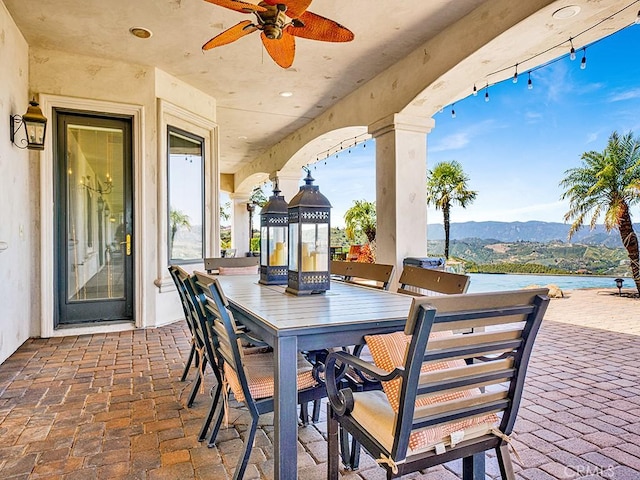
column 388, row 352
column 259, row 369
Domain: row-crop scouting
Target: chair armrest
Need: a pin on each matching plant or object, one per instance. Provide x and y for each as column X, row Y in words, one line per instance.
column 255, row 341
column 342, row 401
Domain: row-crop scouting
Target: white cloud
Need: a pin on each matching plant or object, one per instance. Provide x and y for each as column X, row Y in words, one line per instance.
column 592, row 137
column 461, row 139
column 626, row 95
column 452, row 142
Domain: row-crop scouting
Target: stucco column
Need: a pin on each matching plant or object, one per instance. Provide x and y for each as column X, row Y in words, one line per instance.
column 240, row 223
column 288, row 182
column 401, row 199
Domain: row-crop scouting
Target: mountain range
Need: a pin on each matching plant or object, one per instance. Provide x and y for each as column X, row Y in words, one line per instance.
column 532, row 231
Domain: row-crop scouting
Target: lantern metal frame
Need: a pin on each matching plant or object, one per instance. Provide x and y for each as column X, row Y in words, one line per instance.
column 274, row 250
column 33, row 122
column 619, row 282
column 309, row 207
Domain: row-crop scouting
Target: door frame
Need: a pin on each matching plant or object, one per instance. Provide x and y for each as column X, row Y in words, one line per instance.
column 77, row 312
column 47, row 217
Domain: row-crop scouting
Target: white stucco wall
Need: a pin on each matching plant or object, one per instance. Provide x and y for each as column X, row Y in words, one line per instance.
column 68, row 75
column 17, row 198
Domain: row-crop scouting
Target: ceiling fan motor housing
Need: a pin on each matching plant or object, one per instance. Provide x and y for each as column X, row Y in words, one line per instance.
column 273, row 20
column 272, row 32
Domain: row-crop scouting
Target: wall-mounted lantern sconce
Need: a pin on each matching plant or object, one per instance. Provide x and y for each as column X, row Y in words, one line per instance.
column 35, row 127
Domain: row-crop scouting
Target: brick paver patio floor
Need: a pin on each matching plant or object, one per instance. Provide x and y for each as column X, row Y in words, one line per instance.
column 112, row 407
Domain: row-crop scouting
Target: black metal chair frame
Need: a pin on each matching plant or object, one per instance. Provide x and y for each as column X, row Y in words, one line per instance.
column 435, row 314
column 224, row 337
column 193, row 358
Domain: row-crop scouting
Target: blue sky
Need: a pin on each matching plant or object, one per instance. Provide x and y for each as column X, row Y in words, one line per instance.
column 516, row 148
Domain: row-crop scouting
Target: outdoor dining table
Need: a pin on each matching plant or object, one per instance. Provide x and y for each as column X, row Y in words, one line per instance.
column 289, row 323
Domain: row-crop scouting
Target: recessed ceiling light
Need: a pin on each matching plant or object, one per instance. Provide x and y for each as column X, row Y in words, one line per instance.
column 140, row 32
column 566, row 12
column 286, row 94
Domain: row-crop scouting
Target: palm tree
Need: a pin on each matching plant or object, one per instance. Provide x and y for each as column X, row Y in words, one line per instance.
column 361, row 218
column 447, row 186
column 177, row 219
column 607, row 182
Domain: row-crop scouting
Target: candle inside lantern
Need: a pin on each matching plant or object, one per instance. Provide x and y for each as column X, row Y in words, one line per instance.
column 278, row 256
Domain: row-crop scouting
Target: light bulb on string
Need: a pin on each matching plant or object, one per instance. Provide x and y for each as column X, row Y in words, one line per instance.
column 529, row 83
column 486, row 93
column 515, row 75
column 572, row 52
column 475, row 90
column 637, row 20
column 453, row 112
column 583, row 62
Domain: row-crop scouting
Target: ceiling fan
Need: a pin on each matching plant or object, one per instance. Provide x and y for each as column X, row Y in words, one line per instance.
column 279, row 21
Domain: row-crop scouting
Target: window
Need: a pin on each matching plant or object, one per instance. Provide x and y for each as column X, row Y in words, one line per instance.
column 185, row 181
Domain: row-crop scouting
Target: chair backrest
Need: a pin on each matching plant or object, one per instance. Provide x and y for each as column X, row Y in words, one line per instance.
column 175, row 272
column 425, row 281
column 368, row 274
column 193, row 304
column 212, row 265
column 510, row 322
column 223, row 327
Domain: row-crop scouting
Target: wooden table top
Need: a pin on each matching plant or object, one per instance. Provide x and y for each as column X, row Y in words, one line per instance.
column 342, row 305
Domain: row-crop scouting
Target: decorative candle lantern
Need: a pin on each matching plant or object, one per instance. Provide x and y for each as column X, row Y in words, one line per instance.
column 273, row 240
column 309, row 220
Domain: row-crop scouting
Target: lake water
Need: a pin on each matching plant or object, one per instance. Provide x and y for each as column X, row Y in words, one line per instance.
column 488, row 282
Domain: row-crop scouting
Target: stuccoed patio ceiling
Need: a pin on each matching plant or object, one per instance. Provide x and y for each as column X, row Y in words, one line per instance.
column 407, row 56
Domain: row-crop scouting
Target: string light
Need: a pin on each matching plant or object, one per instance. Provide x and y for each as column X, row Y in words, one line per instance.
column 572, row 53
column 515, row 75
column 475, row 90
column 583, row 62
column 453, row 112
column 486, row 93
column 529, row 83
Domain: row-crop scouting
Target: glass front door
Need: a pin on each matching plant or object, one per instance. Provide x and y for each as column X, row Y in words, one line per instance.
column 95, row 219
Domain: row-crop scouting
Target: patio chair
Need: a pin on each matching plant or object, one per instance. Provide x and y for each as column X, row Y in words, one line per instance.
column 425, row 281
column 205, row 355
column 250, row 377
column 195, row 343
column 438, row 404
column 416, row 282
column 376, row 275
column 373, row 275
column 232, row 265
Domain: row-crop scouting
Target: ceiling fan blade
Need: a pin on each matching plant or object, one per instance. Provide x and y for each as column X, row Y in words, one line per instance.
column 238, row 5
column 231, row 35
column 282, row 50
column 320, row 28
column 295, row 8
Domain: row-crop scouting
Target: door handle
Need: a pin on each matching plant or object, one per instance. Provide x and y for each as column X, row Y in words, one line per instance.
column 127, row 242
